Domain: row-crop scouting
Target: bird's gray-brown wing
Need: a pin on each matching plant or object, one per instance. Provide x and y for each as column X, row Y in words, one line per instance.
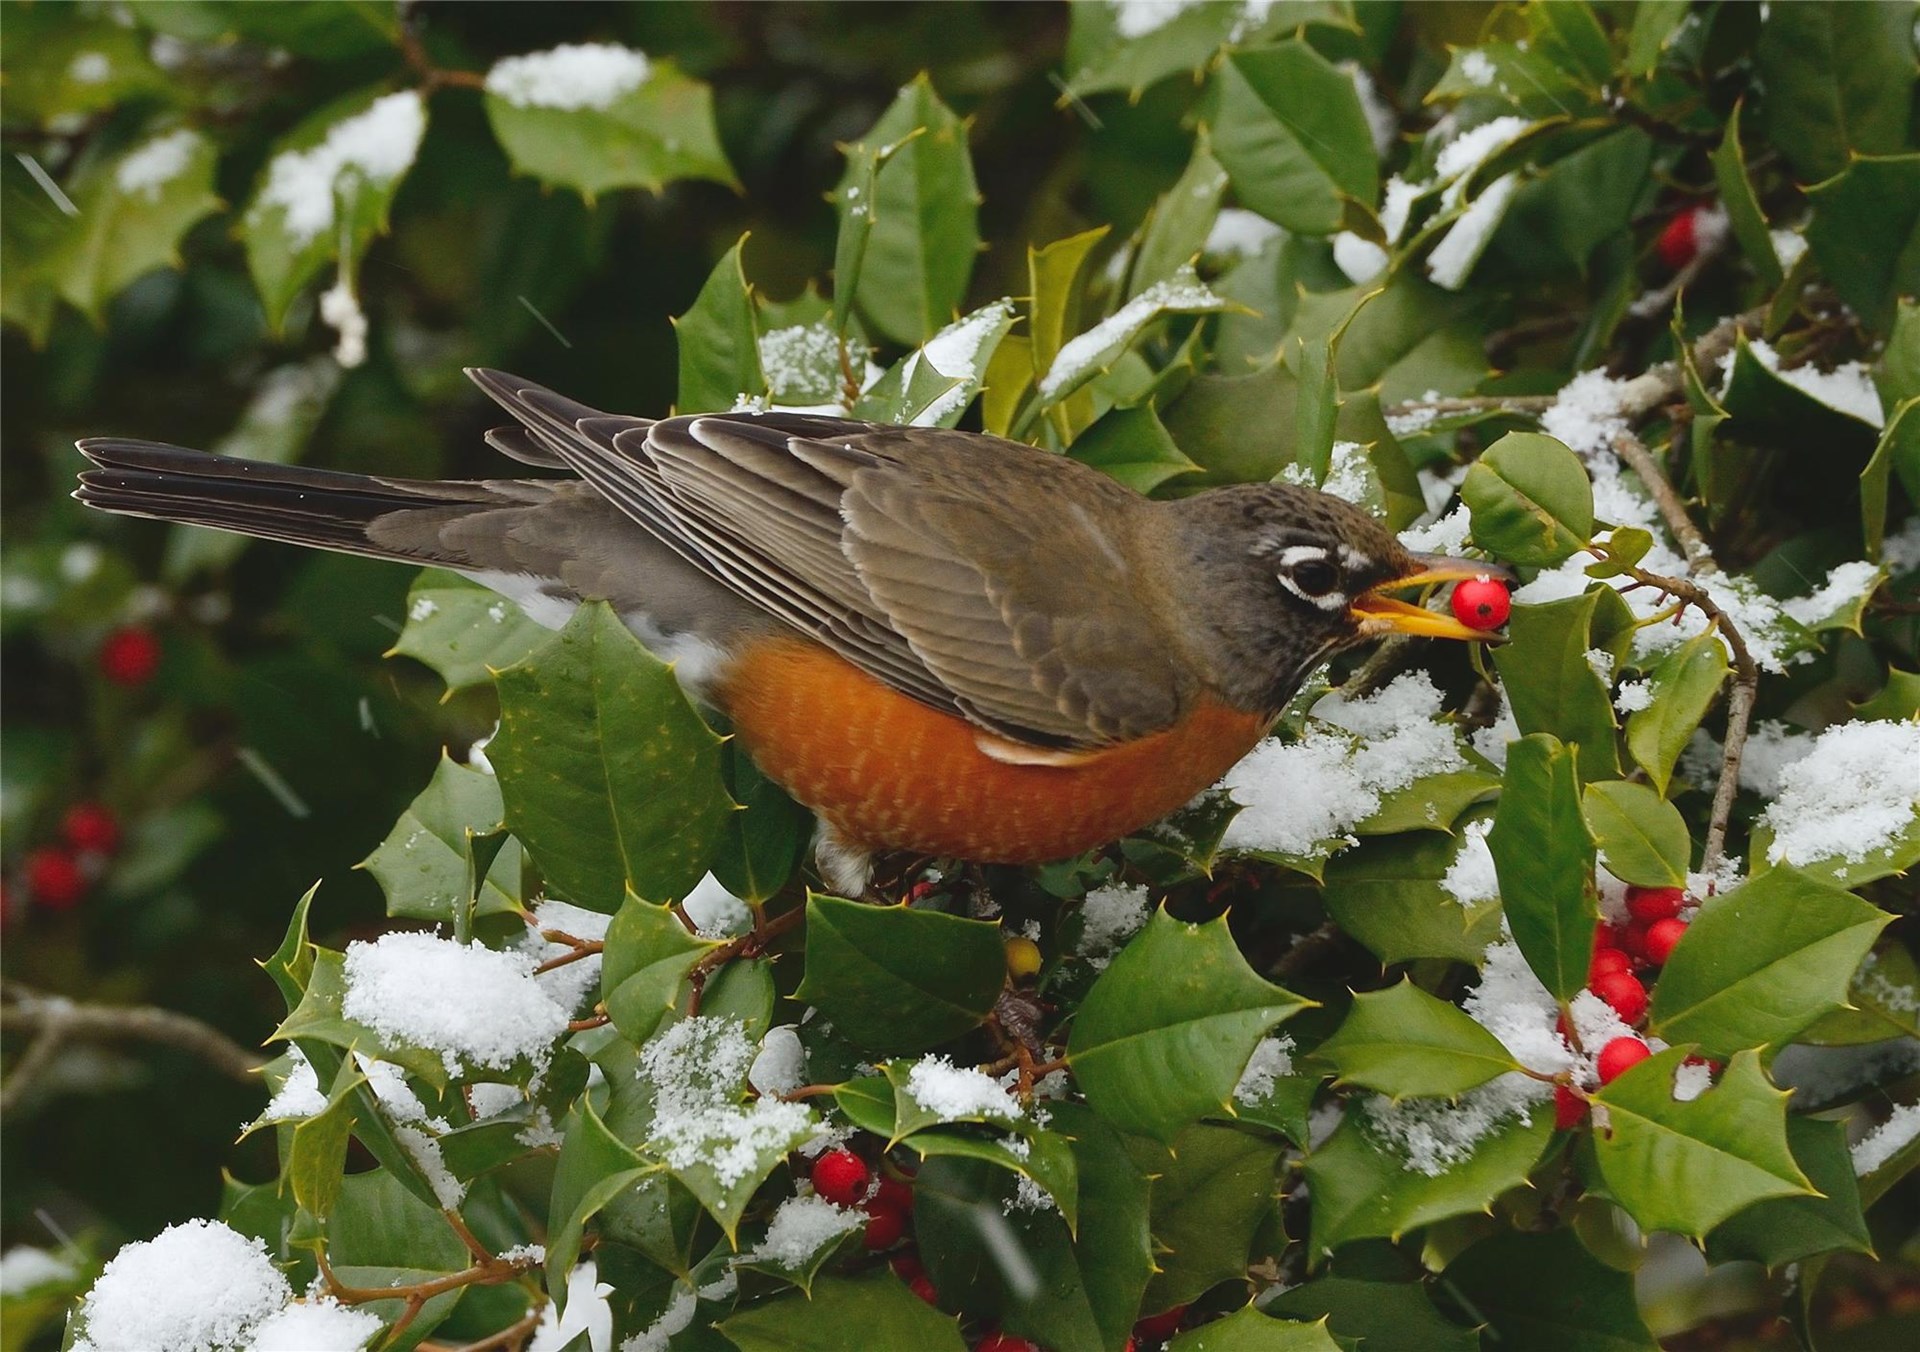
column 973, row 574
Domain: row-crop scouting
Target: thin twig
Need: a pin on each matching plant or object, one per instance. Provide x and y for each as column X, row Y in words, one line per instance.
column 581, row 948
column 507, row 1339
column 57, row 1020
column 747, row 945
column 1673, row 511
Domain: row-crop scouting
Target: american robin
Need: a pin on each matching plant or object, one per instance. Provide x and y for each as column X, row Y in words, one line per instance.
column 938, row 640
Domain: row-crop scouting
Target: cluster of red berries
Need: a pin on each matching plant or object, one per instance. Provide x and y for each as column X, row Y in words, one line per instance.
column 1646, row 939
column 843, row 1178
column 1481, row 603
column 129, row 656
column 57, row 875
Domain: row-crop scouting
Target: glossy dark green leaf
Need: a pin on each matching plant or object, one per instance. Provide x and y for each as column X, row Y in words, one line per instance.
column 316, row 1160
column 422, row 865
column 1551, row 683
column 1544, row 859
column 1642, row 838
column 718, row 341
column 767, row 839
column 381, row 1235
column 1865, row 232
column 594, row 1167
column 844, row 1314
column 1165, row 1032
column 1133, row 446
column 1403, row 1042
column 1086, row 356
column 1898, row 451
column 1530, row 499
column 1766, row 407
column 1048, row 1160
column 647, row 136
column 1546, row 1293
column 1748, row 222
column 1288, row 127
column 1382, row 1316
column 1760, row 963
column 894, row 979
column 1364, row 1188
column 925, row 217
column 644, row 965
column 1103, row 54
column 1686, row 1166
column 464, row 631
column 1682, row 687
column 611, row 780
column 1247, row 1330
column 1386, row 893
column 132, row 211
column 1314, row 413
column 1792, row 1229
column 1838, row 81
column 1209, row 1197
column 1177, row 230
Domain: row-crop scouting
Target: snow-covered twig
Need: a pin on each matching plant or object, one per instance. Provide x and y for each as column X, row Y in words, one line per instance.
column 1672, row 510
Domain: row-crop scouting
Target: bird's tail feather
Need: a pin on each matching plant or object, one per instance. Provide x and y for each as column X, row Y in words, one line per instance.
column 323, row 509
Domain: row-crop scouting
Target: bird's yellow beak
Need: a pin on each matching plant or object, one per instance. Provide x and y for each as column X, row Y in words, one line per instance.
column 1379, row 615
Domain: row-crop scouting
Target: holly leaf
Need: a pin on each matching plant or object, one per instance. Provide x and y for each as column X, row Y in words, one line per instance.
column 894, row 979
column 1530, row 500
column 1404, row 1043
column 1363, row 1188
column 1550, row 680
column 1838, row 81
column 1749, row 223
column 1641, row 837
column 1546, row 1293
column 1544, row 859
column 647, row 956
column 1210, row 1196
column 1181, row 219
column 610, row 778
column 133, row 210
column 1044, row 1157
column 594, row 1167
column 1792, row 1229
column 718, row 341
column 463, row 630
column 1289, row 130
column 925, row 218
column 1166, row 1030
column 1687, row 1166
column 319, row 1016
column 873, row 1310
column 1088, row 355
column 1760, row 963
column 1248, row 1330
column 422, row 865
column 1133, row 446
column 1386, row 894
column 1384, row 1316
column 652, row 133
column 1683, row 686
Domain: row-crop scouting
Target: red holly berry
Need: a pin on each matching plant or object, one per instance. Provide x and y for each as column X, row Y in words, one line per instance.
column 1609, row 936
column 91, row 827
column 1655, row 903
column 841, row 1177
column 54, row 878
column 1620, row 1055
column 1161, row 1325
column 130, row 656
column 922, row 1286
column 885, row 1226
column 1607, row 960
column 1623, row 992
column 1662, row 935
column 1004, row 1342
column 1633, row 941
column 895, row 1195
column 1481, row 603
column 906, row 1266
column 1569, row 1109
column 1679, row 239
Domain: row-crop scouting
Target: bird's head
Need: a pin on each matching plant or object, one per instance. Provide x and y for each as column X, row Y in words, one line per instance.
column 1288, row 576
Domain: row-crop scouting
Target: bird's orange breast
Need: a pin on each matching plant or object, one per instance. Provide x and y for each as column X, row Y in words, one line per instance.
column 887, row 772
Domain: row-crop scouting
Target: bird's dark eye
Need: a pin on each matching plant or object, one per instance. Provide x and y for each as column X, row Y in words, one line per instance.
column 1315, row 577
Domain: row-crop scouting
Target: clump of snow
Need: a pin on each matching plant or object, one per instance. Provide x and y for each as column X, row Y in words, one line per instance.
column 715, row 912
column 376, row 146
column 697, row 1067
column 1383, row 122
column 1788, row 245
column 1470, row 878
column 1362, row 260
column 299, row 1096
column 781, row 1065
column 1844, row 586
column 1633, row 696
column 1182, row 292
column 955, row 350
column 1109, row 916
column 152, row 166
column 573, row 75
column 587, row 1312
column 1272, row 1059
column 340, row 311
column 1466, row 239
column 1691, row 1080
column 1349, row 477
column 1477, row 68
column 195, row 1287
column 1901, row 550
column 1847, row 387
column 802, row 362
column 414, row 1128
column 1396, row 204
column 568, row 984
column 1511, row 1004
column 1432, row 1136
column 1298, row 797
column 469, row 1003
column 951, row 1091
column 1852, row 794
column 90, row 68
column 1239, row 233
column 1586, row 413
column 1463, row 155
column 1137, row 18
column 320, row 1324
column 1600, row 662
column 24, row 1268
column 1887, row 1140
column 674, row 1319
column 1447, row 535
column 801, row 1227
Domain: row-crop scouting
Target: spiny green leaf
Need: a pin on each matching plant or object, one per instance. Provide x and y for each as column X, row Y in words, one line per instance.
column 1544, row 859
column 1546, row 1293
column 1404, row 1043
column 842, row 1313
column 1792, row 1229
column 1288, row 127
column 1248, row 1330
column 422, row 864
column 1682, row 688
column 894, row 979
column 1642, row 838
column 1209, row 1197
column 718, row 341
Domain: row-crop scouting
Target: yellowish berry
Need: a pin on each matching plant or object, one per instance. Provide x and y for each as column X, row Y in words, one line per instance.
column 1023, row 958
